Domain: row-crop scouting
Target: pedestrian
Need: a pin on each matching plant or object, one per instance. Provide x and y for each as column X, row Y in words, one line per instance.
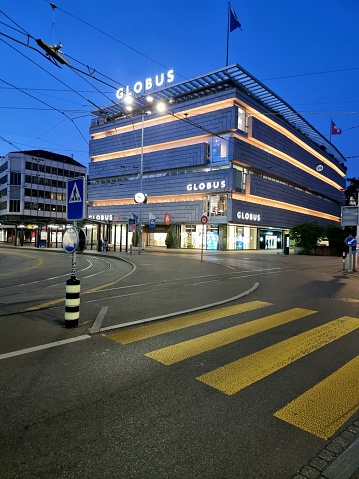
column 105, row 245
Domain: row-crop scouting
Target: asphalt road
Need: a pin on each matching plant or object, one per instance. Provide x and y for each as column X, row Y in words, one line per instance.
column 254, row 386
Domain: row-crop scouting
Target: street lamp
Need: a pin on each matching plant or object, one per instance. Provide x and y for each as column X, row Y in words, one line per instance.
column 140, row 197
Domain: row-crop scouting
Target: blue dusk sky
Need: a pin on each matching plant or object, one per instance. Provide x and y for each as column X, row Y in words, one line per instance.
column 306, row 52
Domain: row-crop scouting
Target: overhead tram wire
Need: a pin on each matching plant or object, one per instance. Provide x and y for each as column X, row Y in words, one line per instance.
column 56, row 78
column 112, row 37
column 91, row 71
column 52, row 107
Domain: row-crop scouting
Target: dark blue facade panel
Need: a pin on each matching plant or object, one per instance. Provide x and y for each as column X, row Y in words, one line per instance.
column 182, row 212
column 277, row 191
column 214, row 122
column 271, row 137
column 273, row 166
column 258, row 215
column 212, row 182
column 178, row 108
column 193, row 155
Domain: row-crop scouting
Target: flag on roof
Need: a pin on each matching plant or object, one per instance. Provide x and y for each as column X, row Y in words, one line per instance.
column 335, row 130
column 233, row 20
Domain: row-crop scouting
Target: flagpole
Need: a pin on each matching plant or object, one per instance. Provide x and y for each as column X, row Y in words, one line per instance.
column 330, row 131
column 227, row 34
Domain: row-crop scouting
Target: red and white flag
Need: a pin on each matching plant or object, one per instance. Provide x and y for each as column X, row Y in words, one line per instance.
column 335, row 130
column 167, row 218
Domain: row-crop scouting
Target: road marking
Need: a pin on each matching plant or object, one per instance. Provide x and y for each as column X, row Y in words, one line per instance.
column 239, row 374
column 193, row 347
column 39, row 263
column 148, row 331
column 324, row 408
column 45, row 305
column 43, row 346
column 99, row 320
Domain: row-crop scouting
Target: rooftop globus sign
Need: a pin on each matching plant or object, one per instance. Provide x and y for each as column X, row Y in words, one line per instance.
column 141, row 87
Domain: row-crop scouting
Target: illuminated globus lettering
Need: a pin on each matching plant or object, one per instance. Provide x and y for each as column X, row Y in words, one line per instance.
column 148, row 84
column 208, row 185
column 243, row 215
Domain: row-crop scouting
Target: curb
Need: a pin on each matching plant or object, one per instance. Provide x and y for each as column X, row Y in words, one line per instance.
column 338, row 460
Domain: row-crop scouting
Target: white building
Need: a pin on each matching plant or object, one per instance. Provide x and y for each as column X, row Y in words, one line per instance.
column 33, row 196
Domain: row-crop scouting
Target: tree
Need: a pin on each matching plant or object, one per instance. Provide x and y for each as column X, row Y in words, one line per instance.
column 169, row 239
column 306, row 236
column 335, row 235
column 352, row 191
column 135, row 237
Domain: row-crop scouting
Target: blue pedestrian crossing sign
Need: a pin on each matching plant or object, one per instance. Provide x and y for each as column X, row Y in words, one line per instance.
column 152, row 223
column 75, row 199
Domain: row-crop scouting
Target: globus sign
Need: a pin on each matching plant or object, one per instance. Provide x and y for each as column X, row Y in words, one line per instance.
column 209, row 185
column 148, row 84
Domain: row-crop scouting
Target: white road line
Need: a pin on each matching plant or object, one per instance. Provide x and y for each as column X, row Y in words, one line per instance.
column 99, row 320
column 43, row 346
column 186, row 311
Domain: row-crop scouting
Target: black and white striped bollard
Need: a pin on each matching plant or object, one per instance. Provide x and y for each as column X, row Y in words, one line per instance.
column 72, row 303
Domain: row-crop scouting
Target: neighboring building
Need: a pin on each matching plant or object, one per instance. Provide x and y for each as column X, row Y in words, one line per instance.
column 33, row 196
column 227, row 148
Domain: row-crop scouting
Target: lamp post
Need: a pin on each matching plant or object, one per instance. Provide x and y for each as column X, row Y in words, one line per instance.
column 140, row 197
column 141, row 183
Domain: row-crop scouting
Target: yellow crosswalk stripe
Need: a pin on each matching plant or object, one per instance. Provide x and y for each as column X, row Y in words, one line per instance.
column 187, row 349
column 155, row 329
column 239, row 374
column 323, row 409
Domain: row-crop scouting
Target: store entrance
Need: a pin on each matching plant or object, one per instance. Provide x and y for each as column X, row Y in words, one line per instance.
column 270, row 239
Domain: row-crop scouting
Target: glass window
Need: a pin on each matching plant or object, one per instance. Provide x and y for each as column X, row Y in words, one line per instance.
column 15, row 178
column 219, row 149
column 218, row 205
column 242, row 120
column 15, row 206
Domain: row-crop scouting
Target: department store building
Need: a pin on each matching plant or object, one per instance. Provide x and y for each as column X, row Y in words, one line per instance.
column 228, row 164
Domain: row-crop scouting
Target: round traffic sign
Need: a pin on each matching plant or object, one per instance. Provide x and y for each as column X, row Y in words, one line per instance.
column 204, row 219
column 350, row 241
column 70, row 240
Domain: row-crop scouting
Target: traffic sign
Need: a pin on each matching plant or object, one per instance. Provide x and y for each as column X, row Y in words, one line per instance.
column 349, row 216
column 153, row 223
column 75, row 199
column 70, row 240
column 204, row 219
column 350, row 241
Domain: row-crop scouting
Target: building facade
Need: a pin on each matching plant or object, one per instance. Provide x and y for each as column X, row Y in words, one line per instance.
column 33, row 196
column 229, row 165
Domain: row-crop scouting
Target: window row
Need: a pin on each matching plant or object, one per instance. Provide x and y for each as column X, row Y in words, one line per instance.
column 47, row 195
column 38, row 180
column 51, row 170
column 34, row 206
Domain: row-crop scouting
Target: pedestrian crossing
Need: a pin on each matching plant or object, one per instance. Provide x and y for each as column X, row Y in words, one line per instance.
column 321, row 410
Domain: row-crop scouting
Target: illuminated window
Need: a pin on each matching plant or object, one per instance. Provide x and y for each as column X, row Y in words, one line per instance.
column 219, row 149
column 218, row 205
column 242, row 120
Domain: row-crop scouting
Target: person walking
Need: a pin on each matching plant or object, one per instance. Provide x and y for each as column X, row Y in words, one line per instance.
column 105, row 245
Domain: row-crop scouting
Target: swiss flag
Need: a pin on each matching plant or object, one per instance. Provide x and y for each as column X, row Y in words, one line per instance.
column 335, row 129
column 167, row 218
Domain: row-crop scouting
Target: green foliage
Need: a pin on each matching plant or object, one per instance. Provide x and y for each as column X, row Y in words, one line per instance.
column 306, row 236
column 352, row 190
column 135, row 237
column 335, row 235
column 169, row 238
